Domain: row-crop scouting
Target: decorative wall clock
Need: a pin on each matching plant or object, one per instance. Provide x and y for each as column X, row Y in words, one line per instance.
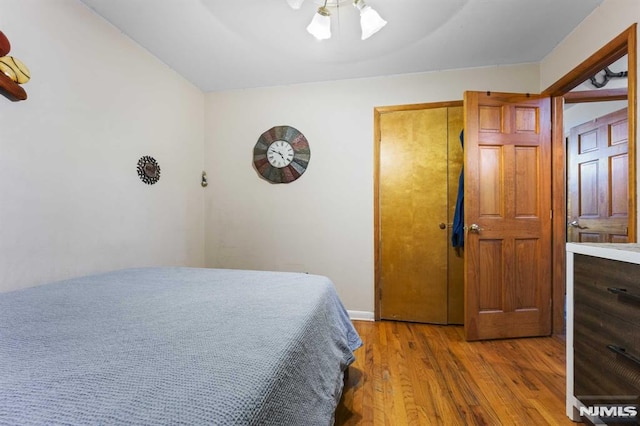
column 281, row 154
column 148, row 170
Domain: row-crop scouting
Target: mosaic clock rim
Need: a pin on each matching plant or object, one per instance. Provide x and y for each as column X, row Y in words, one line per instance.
column 301, row 157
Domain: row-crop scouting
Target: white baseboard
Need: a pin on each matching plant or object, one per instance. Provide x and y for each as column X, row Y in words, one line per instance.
column 361, row 315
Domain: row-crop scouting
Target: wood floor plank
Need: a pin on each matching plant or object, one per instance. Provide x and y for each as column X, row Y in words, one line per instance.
column 416, row 374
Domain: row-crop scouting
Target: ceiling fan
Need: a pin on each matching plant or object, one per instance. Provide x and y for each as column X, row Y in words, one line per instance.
column 320, row 26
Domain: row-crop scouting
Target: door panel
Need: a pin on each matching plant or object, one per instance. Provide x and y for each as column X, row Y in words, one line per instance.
column 526, row 181
column 598, row 180
column 490, row 168
column 619, row 165
column 508, row 199
column 527, row 254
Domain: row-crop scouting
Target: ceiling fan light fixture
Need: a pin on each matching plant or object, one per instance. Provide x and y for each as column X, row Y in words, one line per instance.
column 320, row 26
column 295, row 4
column 370, row 21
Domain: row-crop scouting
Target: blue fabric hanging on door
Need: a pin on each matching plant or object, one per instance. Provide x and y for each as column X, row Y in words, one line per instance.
column 457, row 231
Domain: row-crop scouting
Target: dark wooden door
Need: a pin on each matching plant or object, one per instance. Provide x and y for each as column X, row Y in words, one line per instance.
column 507, row 215
column 598, row 180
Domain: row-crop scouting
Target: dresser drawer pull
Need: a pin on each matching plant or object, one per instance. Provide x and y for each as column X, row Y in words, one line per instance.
column 623, row 292
column 622, row 351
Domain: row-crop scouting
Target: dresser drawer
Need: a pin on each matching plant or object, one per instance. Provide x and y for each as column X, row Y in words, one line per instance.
column 608, row 285
column 598, row 373
column 599, row 369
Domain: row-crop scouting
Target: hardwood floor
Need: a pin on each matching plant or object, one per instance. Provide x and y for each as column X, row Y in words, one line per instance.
column 416, row 374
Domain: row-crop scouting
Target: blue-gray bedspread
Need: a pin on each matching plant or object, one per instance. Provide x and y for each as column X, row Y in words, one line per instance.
column 174, row 346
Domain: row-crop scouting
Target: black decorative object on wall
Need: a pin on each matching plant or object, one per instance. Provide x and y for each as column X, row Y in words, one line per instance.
column 148, row 170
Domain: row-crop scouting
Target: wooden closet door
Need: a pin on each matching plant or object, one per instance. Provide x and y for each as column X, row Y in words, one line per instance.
column 413, row 205
column 455, row 302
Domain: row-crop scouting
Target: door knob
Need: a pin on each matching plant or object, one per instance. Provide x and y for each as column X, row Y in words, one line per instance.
column 575, row 224
column 475, row 228
column 442, row 225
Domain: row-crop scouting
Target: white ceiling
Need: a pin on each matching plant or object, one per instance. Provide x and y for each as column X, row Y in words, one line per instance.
column 232, row 44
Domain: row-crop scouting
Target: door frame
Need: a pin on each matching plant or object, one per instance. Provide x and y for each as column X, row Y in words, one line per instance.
column 623, row 44
column 377, row 113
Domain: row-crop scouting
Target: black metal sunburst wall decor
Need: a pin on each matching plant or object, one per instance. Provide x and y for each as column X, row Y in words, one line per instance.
column 148, row 170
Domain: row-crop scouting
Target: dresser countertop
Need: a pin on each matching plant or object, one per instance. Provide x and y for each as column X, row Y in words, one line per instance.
column 623, row 252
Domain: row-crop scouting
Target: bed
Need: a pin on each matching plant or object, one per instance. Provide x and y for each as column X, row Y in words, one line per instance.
column 175, row 346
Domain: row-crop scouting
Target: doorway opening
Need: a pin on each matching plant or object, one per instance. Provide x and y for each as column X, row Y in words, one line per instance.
column 624, row 45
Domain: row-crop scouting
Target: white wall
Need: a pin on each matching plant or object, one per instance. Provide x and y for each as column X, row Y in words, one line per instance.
column 323, row 222
column 605, row 23
column 577, row 114
column 70, row 199
column 610, row 19
column 71, row 203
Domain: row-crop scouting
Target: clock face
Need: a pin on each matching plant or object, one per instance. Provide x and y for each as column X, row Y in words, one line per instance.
column 281, row 154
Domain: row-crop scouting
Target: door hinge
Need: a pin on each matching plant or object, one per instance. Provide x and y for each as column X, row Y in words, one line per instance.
column 551, row 214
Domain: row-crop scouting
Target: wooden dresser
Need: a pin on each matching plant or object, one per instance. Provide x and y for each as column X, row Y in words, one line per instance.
column 603, row 331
